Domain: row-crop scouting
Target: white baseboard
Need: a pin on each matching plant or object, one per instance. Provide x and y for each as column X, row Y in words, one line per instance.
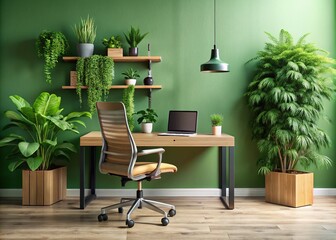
column 171, row 192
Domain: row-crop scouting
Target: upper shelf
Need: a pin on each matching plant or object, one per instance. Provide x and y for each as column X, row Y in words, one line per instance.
column 120, row 87
column 123, row 59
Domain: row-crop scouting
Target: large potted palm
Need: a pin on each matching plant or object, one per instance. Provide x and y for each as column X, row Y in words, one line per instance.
column 36, row 147
column 286, row 96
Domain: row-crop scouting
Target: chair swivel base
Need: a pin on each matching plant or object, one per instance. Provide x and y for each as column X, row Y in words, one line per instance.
column 138, row 202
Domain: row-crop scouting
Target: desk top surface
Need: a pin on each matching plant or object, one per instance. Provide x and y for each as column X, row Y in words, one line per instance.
column 153, row 140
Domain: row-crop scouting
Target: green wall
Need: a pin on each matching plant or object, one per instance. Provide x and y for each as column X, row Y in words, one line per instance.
column 181, row 31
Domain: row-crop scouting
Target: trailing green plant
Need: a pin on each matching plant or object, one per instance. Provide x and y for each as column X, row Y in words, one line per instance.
column 95, row 72
column 50, row 46
column 147, row 116
column 38, row 146
column 86, row 30
column 128, row 100
column 112, row 42
column 216, row 119
column 131, row 74
column 286, row 96
column 134, row 37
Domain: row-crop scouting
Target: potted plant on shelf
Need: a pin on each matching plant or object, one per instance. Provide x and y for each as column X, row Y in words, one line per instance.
column 287, row 97
column 95, row 72
column 113, row 46
column 38, row 147
column 50, row 46
column 86, row 34
column 133, row 38
column 128, row 100
column 130, row 76
column 146, row 119
column 216, row 122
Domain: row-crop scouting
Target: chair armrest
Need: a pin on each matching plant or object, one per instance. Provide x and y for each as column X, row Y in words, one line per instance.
column 150, row 151
column 156, row 172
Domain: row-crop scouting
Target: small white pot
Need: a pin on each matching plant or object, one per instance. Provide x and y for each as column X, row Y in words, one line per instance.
column 217, row 130
column 146, row 127
column 130, row 81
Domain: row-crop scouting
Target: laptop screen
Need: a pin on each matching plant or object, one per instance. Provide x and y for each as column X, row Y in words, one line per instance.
column 182, row 121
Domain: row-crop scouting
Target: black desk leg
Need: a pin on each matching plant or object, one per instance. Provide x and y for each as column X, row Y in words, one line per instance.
column 83, row 201
column 228, row 201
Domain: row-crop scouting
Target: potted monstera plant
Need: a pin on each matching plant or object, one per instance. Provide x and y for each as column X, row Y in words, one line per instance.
column 287, row 97
column 36, row 146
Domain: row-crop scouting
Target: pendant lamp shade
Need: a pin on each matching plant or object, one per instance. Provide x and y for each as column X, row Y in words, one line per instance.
column 215, row 64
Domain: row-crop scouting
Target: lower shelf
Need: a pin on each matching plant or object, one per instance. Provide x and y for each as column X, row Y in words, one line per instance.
column 120, row 87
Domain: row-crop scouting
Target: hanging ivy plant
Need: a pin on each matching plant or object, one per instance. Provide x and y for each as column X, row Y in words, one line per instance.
column 50, row 46
column 128, row 100
column 97, row 73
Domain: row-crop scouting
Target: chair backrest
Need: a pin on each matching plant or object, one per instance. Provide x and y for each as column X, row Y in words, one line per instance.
column 118, row 144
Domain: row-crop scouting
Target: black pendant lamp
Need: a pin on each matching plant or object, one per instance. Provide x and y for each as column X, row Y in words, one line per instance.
column 215, row 64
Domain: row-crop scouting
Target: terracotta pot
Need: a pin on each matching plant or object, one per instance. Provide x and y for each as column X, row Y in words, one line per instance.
column 217, row 130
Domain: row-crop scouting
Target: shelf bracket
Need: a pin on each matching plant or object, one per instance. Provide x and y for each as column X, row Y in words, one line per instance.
column 150, row 98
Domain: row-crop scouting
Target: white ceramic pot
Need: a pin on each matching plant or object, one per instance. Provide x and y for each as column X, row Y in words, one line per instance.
column 130, row 81
column 217, row 130
column 147, row 127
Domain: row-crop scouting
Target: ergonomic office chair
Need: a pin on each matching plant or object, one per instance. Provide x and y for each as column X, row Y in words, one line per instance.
column 119, row 156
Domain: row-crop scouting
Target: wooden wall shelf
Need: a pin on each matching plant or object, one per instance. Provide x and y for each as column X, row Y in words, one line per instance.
column 120, row 87
column 122, row 59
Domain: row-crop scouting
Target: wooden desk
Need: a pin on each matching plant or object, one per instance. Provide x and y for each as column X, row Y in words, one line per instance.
column 224, row 142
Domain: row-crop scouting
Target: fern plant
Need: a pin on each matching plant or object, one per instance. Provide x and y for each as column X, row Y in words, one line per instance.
column 50, row 46
column 216, row 119
column 95, row 72
column 128, row 100
column 286, row 97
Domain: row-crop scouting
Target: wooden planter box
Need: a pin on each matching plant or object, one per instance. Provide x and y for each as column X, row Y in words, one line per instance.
column 115, row 52
column 289, row 189
column 43, row 188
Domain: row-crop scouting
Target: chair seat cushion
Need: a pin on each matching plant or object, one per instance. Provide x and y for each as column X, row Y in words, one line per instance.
column 140, row 168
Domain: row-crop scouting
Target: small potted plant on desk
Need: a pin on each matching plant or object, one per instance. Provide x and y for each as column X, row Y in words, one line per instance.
column 216, row 122
column 133, row 38
column 130, row 76
column 114, row 47
column 38, row 147
column 147, row 118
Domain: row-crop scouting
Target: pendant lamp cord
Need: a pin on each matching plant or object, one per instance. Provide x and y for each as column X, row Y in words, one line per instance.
column 214, row 23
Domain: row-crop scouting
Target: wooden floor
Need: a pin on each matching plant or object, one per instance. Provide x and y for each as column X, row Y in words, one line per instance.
column 197, row 218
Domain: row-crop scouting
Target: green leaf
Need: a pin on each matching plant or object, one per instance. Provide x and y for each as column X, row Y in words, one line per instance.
column 27, row 149
column 19, row 102
column 14, row 165
column 34, row 163
column 47, row 104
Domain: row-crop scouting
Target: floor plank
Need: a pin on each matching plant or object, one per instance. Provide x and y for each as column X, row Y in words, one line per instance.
column 196, row 218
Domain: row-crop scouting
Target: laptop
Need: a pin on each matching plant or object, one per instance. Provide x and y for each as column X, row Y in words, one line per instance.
column 181, row 123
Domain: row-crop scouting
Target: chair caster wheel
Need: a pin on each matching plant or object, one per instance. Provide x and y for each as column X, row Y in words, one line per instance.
column 130, row 223
column 171, row 213
column 120, row 210
column 102, row 217
column 165, row 221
